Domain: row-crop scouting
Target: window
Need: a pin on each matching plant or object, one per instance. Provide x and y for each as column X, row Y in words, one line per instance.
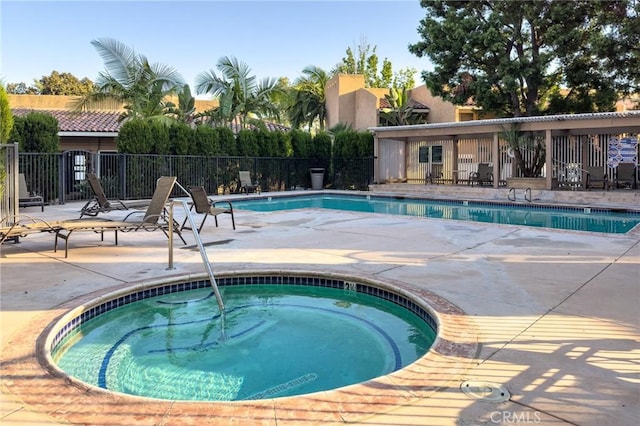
column 436, row 154
column 423, row 154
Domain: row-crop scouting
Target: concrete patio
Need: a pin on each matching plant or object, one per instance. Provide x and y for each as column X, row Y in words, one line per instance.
column 556, row 312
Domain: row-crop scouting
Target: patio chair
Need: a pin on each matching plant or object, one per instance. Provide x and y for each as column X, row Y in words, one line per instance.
column 154, row 218
column 483, row 176
column 246, row 185
column 435, row 176
column 204, row 205
column 597, row 177
column 28, row 198
column 100, row 203
column 21, row 228
column 626, row 175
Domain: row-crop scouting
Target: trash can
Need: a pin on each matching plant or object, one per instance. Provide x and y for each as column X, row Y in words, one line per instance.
column 317, row 177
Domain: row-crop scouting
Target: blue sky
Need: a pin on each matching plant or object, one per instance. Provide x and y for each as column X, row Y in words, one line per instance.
column 274, row 38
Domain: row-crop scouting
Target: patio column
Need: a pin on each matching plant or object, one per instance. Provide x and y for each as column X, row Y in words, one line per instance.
column 376, row 162
column 497, row 161
column 584, row 145
column 454, row 161
column 548, row 159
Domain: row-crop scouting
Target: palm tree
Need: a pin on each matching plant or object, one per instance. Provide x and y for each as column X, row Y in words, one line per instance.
column 400, row 111
column 185, row 111
column 240, row 94
column 130, row 78
column 309, row 100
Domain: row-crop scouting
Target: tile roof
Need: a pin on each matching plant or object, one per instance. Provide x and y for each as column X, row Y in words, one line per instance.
column 102, row 121
column 384, row 103
column 84, row 121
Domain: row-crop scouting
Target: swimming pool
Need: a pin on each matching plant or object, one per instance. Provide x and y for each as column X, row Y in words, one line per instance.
column 280, row 336
column 567, row 218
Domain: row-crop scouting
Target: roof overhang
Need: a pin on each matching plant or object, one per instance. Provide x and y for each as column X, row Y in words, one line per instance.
column 89, row 134
column 597, row 123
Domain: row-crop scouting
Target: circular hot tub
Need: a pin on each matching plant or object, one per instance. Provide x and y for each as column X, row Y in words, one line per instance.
column 278, row 336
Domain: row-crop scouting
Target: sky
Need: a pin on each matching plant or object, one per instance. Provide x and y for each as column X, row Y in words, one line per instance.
column 274, row 38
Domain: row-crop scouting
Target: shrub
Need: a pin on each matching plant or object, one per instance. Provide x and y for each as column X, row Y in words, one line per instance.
column 205, row 141
column 36, row 132
column 135, row 137
column 180, row 138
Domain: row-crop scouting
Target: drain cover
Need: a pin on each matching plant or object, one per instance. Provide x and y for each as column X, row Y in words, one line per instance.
column 485, row 391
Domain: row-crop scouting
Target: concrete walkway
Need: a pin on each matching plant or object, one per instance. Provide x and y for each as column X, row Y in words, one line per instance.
column 557, row 312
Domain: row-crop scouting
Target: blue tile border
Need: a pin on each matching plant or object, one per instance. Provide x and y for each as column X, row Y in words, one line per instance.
column 312, row 281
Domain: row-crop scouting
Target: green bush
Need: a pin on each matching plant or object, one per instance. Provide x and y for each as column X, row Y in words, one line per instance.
column 206, row 141
column 301, row 142
column 321, row 146
column 6, row 116
column 181, row 139
column 135, row 137
column 36, row 132
column 268, row 144
column 365, row 145
column 247, row 143
column 160, row 142
column 6, row 124
column 227, row 141
column 285, row 148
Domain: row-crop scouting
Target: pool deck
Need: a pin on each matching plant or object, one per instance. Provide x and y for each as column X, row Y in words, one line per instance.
column 555, row 314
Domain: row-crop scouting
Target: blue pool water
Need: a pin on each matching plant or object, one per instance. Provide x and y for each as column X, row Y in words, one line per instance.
column 276, row 340
column 568, row 218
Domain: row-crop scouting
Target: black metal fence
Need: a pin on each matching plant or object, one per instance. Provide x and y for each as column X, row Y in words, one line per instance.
column 61, row 177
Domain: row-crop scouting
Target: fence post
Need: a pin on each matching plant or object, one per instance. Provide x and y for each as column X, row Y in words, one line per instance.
column 62, row 172
column 122, row 167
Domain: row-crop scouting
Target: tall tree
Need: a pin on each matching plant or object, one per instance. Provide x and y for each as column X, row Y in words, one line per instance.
column 309, row 100
column 129, row 77
column 64, row 84
column 510, row 57
column 6, row 116
column 185, row 111
column 364, row 60
column 242, row 96
column 21, row 89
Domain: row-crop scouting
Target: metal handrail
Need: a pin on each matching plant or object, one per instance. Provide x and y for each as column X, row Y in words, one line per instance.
column 512, row 196
column 203, row 253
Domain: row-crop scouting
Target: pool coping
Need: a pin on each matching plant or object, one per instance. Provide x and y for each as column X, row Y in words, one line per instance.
column 65, row 399
column 465, row 202
column 535, row 203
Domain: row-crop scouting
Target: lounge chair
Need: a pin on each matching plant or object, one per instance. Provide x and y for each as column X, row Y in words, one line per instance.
column 23, row 227
column 483, row 176
column 28, row 198
column 597, row 177
column 152, row 219
column 204, row 205
column 246, row 185
column 626, row 175
column 100, row 203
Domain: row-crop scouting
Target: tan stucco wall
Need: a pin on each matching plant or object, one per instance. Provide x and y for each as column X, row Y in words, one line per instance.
column 340, row 93
column 50, row 102
column 348, row 101
column 440, row 111
column 68, row 103
column 366, row 109
column 84, row 143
